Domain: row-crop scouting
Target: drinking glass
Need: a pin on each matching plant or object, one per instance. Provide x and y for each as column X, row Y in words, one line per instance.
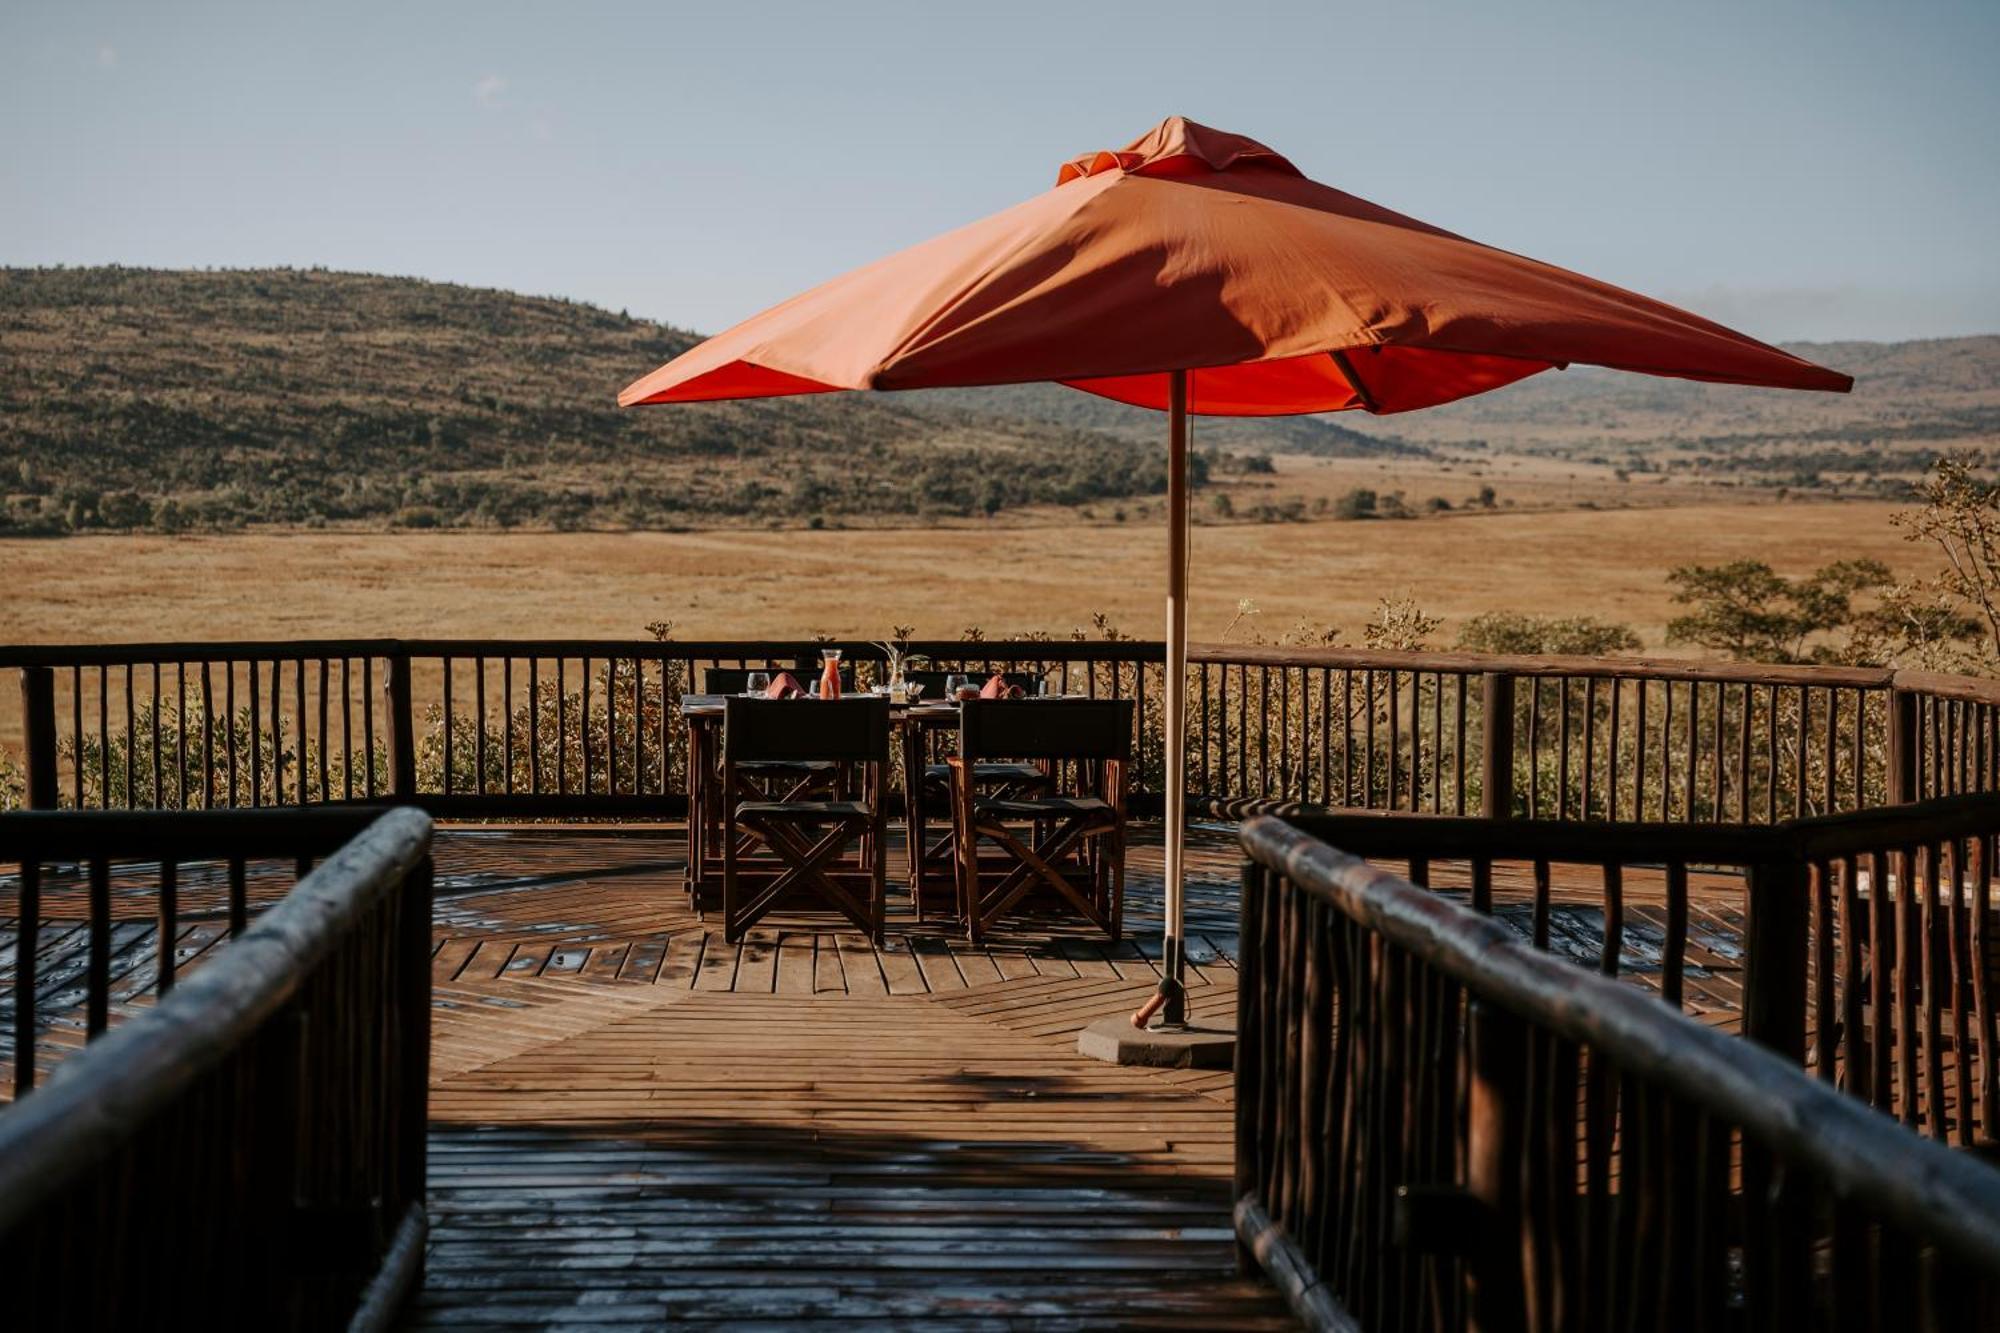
column 757, row 682
column 913, row 689
column 955, row 682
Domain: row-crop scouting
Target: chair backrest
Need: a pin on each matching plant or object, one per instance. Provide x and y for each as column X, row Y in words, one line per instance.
column 1045, row 729
column 731, row 680
column 844, row 730
column 933, row 681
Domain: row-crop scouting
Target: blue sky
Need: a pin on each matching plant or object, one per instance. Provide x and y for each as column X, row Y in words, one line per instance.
column 1797, row 170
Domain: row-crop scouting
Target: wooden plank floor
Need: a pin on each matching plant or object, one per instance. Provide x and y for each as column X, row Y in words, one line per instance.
column 805, row 1127
column 877, row 1160
column 520, row 906
column 636, row 1122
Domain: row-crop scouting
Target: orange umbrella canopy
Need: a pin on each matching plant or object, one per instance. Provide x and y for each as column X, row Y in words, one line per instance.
column 1194, row 249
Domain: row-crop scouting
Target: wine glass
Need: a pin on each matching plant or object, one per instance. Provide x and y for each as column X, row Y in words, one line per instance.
column 757, row 682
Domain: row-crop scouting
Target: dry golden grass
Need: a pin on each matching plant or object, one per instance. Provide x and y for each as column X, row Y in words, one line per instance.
column 858, row 582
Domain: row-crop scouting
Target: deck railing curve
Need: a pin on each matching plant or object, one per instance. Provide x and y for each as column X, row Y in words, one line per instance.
column 250, row 1152
column 1440, row 1127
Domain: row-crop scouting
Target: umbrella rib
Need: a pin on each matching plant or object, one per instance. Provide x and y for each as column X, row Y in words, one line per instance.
column 1347, row 372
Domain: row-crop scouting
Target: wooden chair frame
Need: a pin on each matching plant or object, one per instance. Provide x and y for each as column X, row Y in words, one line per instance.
column 1071, row 846
column 834, row 850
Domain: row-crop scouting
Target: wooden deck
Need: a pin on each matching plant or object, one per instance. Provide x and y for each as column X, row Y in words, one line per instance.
column 635, row 1122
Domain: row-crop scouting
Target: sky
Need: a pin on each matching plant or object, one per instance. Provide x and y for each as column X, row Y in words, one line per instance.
column 1798, row 170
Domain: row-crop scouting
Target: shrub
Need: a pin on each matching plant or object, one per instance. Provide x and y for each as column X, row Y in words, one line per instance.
column 1513, row 632
column 1357, row 503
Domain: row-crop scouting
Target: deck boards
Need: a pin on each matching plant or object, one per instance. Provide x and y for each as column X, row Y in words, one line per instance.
column 604, row 906
column 637, row 1122
column 875, row 1159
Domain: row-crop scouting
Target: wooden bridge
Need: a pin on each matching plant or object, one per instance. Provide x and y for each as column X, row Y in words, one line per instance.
column 626, row 1120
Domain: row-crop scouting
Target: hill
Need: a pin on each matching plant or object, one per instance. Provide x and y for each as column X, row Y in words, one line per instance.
column 171, row 400
column 1912, row 401
column 142, row 398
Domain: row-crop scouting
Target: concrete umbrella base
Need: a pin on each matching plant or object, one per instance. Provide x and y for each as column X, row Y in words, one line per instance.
column 1196, row 1046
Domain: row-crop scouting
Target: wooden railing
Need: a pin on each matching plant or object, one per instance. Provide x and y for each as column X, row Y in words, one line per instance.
column 1441, row 1127
column 126, row 881
column 463, row 728
column 1846, row 917
column 1549, row 737
column 590, row 728
column 248, row 1153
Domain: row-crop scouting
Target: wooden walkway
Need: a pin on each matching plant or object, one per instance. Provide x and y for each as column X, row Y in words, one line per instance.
column 635, row 1123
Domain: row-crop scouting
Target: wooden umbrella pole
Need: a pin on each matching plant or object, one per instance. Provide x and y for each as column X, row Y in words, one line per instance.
column 1172, row 993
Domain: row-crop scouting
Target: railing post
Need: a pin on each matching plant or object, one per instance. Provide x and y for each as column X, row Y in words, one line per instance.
column 416, row 1036
column 402, row 729
column 1776, row 922
column 1775, row 928
column 1495, row 1139
column 1496, row 779
column 1252, row 903
column 38, row 728
column 1903, row 750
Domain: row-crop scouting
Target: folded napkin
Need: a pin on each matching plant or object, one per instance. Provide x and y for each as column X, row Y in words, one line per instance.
column 998, row 688
column 782, row 686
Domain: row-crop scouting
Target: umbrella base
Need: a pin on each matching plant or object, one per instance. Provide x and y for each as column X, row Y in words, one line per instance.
column 1196, row 1046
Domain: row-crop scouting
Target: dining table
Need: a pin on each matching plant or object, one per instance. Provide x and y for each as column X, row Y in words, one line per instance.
column 931, row 878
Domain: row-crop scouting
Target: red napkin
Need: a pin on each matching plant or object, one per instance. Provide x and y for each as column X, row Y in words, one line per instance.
column 998, row 688
column 782, row 686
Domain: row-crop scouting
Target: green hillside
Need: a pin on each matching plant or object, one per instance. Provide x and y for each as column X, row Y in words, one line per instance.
column 176, row 400
column 139, row 398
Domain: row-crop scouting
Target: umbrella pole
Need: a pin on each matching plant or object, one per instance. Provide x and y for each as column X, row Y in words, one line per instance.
column 1171, row 998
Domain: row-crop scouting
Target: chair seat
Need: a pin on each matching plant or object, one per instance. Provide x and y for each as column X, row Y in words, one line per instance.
column 806, row 809
column 1041, row 807
column 992, row 772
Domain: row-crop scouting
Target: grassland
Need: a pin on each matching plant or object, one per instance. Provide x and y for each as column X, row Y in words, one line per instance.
column 1006, row 579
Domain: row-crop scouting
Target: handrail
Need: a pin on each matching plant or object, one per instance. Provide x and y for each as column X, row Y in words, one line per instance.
column 576, row 727
column 1841, row 944
column 1860, row 1157
column 311, row 832
column 183, row 650
column 99, row 1093
column 233, row 1048
column 1450, row 837
column 1445, row 837
column 1528, row 664
column 135, row 1069
column 1147, row 650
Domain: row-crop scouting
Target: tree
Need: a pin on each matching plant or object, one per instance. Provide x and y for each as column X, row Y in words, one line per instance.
column 1357, row 503
column 1961, row 517
column 125, row 509
column 1751, row 612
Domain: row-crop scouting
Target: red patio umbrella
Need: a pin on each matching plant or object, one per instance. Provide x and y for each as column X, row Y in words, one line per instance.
column 1200, row 271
